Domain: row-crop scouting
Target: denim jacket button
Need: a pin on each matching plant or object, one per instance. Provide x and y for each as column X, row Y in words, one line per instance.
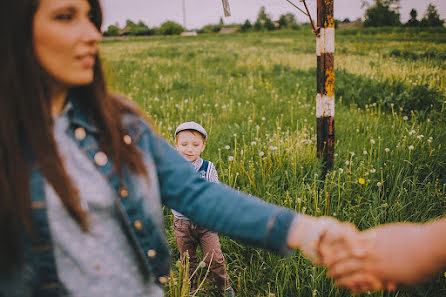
column 151, row 254
column 163, row 279
column 127, row 139
column 138, row 225
column 123, row 192
column 80, row 133
column 100, row 158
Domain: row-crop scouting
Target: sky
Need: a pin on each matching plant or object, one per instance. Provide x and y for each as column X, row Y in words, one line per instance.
column 203, row 12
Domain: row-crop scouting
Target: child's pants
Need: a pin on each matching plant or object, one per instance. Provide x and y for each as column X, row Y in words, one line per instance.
column 188, row 236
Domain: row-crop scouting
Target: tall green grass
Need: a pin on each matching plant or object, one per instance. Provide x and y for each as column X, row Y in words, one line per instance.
column 255, row 95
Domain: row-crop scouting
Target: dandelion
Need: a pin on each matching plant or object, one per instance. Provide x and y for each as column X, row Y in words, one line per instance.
column 430, row 140
column 227, row 147
column 411, row 147
column 202, row 264
column 273, row 148
column 420, row 136
column 241, row 153
column 364, row 152
column 379, row 184
column 405, row 118
column 335, row 155
column 257, row 127
column 299, row 200
column 352, row 153
column 361, row 181
column 170, row 128
column 372, row 141
column 341, row 170
column 185, row 101
column 263, row 118
column 157, row 99
column 231, row 158
column 261, row 154
column 314, row 292
column 412, row 132
column 387, row 150
column 253, row 143
column 235, row 134
column 278, row 128
column 347, row 162
column 216, row 105
column 373, row 170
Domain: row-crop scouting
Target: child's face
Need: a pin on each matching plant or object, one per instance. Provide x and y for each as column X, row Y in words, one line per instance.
column 190, row 145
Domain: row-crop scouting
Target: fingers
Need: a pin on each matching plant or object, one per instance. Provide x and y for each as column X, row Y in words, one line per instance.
column 338, row 243
column 361, row 282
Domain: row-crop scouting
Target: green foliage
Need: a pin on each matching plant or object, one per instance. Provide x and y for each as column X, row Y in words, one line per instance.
column 432, row 17
column 210, row 28
column 171, row 28
column 112, row 30
column 256, row 101
column 247, row 26
column 383, row 13
column 269, row 25
column 139, row 29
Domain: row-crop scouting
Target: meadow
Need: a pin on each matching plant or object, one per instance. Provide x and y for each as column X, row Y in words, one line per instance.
column 255, row 95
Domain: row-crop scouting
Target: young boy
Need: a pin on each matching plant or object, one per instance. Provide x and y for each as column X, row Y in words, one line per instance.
column 190, row 141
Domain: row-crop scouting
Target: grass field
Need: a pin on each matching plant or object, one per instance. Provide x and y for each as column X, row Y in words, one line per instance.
column 255, row 94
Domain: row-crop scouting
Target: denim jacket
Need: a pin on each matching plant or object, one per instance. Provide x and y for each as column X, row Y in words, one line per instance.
column 172, row 182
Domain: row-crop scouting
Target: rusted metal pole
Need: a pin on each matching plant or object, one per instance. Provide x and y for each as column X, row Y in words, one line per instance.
column 325, row 99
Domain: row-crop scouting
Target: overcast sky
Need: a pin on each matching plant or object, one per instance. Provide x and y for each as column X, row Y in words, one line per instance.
column 203, row 12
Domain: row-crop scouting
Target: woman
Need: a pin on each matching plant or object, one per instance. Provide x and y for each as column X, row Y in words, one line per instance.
column 82, row 177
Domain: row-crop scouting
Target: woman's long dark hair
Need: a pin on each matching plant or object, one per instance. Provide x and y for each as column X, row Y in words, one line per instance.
column 26, row 124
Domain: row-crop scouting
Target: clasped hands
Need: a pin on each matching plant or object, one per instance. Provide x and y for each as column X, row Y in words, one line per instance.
column 376, row 259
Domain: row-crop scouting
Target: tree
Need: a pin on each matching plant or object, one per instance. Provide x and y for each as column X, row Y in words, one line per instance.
column 171, row 28
column 140, row 29
column 262, row 16
column 112, row 30
column 258, row 26
column 269, row 25
column 246, row 26
column 382, row 13
column 413, row 22
column 431, row 17
column 287, row 20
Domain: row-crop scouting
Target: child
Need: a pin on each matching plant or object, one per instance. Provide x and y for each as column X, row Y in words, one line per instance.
column 190, row 141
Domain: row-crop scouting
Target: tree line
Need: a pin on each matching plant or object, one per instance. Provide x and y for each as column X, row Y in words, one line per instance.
column 381, row 13
column 386, row 13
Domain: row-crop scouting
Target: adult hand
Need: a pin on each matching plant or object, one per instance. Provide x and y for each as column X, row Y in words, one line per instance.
column 384, row 257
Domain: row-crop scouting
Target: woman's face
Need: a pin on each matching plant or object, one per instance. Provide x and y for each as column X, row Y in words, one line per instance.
column 66, row 40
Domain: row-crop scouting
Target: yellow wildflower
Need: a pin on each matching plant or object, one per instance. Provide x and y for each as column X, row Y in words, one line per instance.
column 361, row 181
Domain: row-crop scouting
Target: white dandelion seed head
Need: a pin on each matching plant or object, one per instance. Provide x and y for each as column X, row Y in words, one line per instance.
column 347, row 162
column 372, row 141
column 365, row 152
column 352, row 153
column 405, row 118
column 257, row 127
column 373, row 170
column 157, row 99
column 378, row 184
column 387, row 149
column 411, row 132
column 341, row 170
column 231, row 158
column 227, row 147
column 261, row 154
column 411, row 147
column 202, row 264
column 263, row 118
column 253, row 143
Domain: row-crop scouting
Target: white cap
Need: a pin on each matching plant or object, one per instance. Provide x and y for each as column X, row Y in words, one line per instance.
column 192, row 126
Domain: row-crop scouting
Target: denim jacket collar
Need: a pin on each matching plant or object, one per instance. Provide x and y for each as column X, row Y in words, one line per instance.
column 77, row 116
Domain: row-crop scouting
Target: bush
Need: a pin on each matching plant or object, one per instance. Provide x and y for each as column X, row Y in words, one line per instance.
column 112, row 31
column 171, row 28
